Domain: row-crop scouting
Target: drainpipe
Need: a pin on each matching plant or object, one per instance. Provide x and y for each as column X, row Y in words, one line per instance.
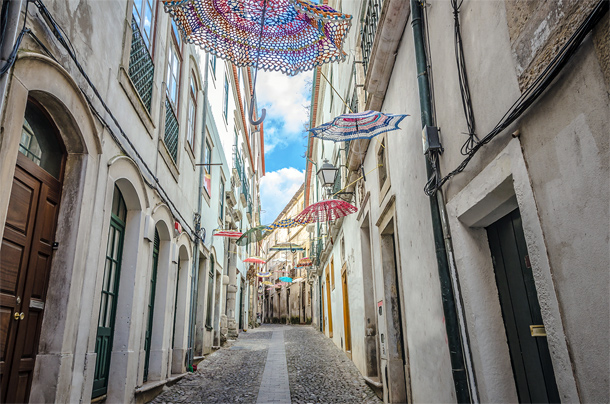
column 11, row 16
column 454, row 339
column 195, row 273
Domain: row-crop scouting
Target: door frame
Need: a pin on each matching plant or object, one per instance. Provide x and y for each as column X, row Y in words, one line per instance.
column 502, row 186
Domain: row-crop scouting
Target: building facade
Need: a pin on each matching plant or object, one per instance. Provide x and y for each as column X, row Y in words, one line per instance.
column 123, row 148
column 486, row 290
column 288, row 303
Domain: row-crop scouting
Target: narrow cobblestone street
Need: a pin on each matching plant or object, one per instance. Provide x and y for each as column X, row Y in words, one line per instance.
column 273, row 364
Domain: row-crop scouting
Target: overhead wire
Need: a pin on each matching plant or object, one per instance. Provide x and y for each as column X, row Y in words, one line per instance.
column 534, row 90
column 13, row 55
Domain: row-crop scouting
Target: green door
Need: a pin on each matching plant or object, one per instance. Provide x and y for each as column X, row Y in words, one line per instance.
column 151, row 303
column 110, row 290
column 530, row 358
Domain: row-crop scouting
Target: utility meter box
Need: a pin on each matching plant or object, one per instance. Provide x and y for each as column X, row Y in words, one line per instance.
column 431, row 140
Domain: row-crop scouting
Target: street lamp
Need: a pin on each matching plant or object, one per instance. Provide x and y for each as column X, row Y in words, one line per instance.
column 327, row 173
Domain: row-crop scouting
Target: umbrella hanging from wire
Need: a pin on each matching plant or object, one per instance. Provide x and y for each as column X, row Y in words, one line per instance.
column 324, row 211
column 283, row 224
column 255, row 260
column 263, row 274
column 253, row 235
column 227, row 233
column 304, row 262
column 289, row 36
column 285, row 279
column 286, row 247
column 359, row 125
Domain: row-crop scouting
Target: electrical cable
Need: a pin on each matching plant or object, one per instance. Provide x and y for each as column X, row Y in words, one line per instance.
column 67, row 45
column 536, row 88
column 463, row 81
column 13, row 55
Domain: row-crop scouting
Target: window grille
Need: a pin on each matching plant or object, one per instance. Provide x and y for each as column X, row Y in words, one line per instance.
column 369, row 28
column 141, row 67
column 171, row 131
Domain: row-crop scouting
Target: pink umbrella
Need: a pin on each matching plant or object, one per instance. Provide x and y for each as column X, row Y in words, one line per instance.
column 228, row 233
column 255, row 260
column 324, row 211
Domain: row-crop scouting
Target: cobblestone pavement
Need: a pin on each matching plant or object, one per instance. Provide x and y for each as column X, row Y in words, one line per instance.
column 318, row 371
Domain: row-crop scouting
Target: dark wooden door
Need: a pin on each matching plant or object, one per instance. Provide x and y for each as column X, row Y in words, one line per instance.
column 530, row 358
column 151, row 304
column 25, row 262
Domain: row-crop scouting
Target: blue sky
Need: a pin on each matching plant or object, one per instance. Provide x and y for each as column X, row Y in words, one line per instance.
column 286, row 100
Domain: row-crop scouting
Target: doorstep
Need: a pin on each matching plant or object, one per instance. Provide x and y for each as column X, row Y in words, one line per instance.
column 150, row 390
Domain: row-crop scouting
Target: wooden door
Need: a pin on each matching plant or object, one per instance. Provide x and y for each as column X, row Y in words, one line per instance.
column 530, row 358
column 329, row 305
column 347, row 328
column 25, row 262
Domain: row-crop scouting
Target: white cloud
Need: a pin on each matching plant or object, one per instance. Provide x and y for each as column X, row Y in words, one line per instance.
column 277, row 188
column 286, row 99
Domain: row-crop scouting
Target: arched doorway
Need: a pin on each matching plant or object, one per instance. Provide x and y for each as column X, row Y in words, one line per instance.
column 27, row 245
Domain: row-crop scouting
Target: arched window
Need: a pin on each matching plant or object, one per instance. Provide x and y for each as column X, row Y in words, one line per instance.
column 192, row 110
column 39, row 141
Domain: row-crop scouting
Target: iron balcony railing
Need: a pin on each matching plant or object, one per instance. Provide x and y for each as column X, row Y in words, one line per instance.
column 245, row 189
column 237, row 163
column 141, row 67
column 171, row 131
column 337, row 184
column 369, row 28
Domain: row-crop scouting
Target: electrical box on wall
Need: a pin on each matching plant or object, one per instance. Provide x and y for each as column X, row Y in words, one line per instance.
column 431, row 140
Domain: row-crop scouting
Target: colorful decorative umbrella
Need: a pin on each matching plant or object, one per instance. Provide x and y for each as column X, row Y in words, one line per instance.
column 267, row 283
column 290, row 36
column 304, row 262
column 283, row 224
column 323, row 211
column 287, row 247
column 359, row 125
column 263, row 274
column 255, row 260
column 298, row 280
column 253, row 235
column 285, row 279
column 227, row 233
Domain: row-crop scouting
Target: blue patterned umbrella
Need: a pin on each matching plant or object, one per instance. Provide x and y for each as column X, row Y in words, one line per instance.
column 359, row 125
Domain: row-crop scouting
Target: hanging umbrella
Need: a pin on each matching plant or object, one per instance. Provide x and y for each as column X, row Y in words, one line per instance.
column 324, row 211
column 267, row 283
column 255, row 260
column 359, row 125
column 253, row 235
column 286, row 247
column 227, row 233
column 263, row 274
column 298, row 280
column 285, row 279
column 290, row 36
column 283, row 224
column 304, row 262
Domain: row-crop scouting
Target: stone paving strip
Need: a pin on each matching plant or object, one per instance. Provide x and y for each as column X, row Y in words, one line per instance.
column 319, row 372
column 274, row 387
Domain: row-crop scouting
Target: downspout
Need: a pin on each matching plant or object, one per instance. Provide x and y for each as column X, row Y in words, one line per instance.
column 454, row 340
column 10, row 15
column 195, row 273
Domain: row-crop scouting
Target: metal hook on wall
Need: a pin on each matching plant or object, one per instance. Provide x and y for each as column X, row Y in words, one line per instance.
column 251, row 117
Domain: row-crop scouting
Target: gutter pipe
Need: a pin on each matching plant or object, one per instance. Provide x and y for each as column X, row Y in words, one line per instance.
column 454, row 339
column 195, row 271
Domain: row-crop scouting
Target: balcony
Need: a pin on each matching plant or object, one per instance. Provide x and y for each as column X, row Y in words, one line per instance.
column 249, row 211
column 238, row 170
column 380, row 33
column 245, row 192
column 230, row 198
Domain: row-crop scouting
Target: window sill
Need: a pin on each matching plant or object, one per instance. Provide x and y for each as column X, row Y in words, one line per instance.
column 136, row 101
column 190, row 153
column 206, row 196
column 169, row 162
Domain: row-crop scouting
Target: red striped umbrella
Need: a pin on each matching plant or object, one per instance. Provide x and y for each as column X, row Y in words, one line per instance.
column 255, row 260
column 324, row 211
column 228, row 233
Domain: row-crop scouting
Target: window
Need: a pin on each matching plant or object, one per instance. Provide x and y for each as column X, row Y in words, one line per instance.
column 39, row 142
column 225, row 104
column 208, row 317
column 192, row 110
column 177, row 36
column 143, row 13
column 221, row 208
column 173, row 73
column 207, row 169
